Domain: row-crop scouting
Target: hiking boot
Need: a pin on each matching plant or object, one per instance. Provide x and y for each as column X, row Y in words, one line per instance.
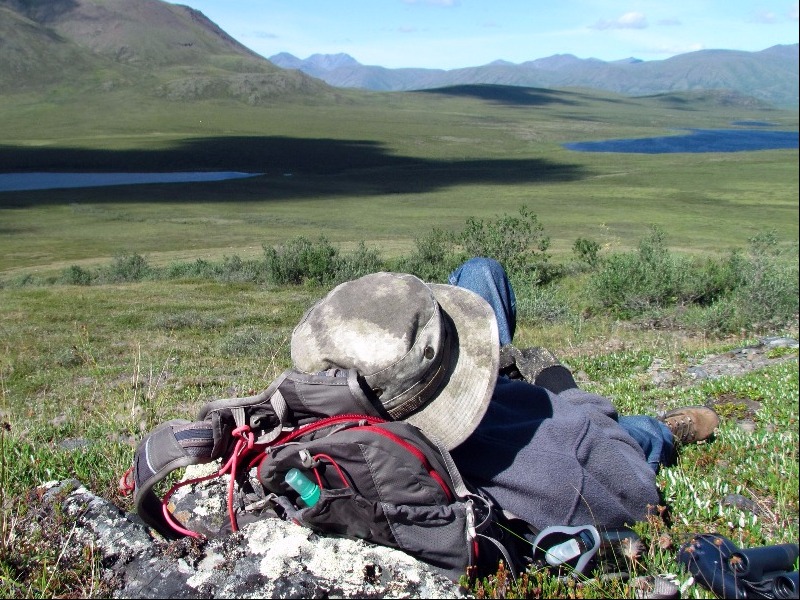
column 536, row 365
column 691, row 423
column 525, row 363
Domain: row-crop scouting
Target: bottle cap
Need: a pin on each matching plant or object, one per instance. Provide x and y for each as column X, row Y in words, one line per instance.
column 308, row 490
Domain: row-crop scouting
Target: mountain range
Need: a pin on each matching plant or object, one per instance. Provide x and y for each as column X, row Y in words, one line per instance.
column 172, row 51
column 158, row 48
column 770, row 75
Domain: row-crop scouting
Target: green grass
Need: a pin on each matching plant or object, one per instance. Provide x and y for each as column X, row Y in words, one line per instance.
column 106, row 363
column 390, row 164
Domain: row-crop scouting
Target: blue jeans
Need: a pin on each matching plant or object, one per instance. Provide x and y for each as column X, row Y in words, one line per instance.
column 487, row 278
column 653, row 436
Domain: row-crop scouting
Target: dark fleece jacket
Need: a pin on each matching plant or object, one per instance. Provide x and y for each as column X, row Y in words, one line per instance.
column 557, row 459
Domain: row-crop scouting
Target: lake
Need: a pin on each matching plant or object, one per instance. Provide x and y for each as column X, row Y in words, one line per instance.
column 696, row 140
column 16, row 182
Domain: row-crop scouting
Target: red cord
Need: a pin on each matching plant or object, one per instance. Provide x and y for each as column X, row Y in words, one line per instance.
column 126, row 483
column 417, row 453
column 345, row 483
column 170, row 518
column 245, row 443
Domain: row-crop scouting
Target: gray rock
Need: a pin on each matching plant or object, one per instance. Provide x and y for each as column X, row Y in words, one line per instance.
column 747, row 425
column 697, row 373
column 269, row 558
column 780, row 342
column 741, row 360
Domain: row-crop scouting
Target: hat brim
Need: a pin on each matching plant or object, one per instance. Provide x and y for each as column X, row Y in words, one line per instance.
column 459, row 405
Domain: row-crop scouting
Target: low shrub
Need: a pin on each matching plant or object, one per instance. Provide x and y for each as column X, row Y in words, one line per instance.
column 127, row 267
column 630, row 284
column 234, row 269
column 755, row 291
column 750, row 290
column 362, row 261
column 435, row 256
column 22, row 280
column 542, row 304
column 75, row 275
column 198, row 269
column 301, row 260
column 587, row 252
column 518, row 243
column 768, row 293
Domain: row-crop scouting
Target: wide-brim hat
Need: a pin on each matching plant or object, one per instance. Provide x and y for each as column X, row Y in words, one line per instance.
column 429, row 352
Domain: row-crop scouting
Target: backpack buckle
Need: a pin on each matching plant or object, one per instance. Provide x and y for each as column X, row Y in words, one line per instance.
column 306, row 460
column 472, row 532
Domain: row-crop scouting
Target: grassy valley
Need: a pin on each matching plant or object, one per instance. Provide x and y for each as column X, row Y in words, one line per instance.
column 391, row 164
column 124, row 306
column 182, row 312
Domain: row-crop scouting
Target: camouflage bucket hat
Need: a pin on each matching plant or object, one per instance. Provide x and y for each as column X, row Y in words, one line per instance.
column 430, row 352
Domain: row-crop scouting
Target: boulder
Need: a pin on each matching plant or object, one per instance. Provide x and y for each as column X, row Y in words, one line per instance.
column 269, row 558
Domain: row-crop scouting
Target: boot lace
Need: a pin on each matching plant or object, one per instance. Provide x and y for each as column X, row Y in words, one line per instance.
column 682, row 428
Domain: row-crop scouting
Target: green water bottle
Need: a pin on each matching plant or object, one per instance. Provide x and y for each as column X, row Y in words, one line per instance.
column 308, row 490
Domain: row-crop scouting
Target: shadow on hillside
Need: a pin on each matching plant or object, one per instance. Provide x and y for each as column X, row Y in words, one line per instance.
column 506, row 94
column 292, row 168
column 44, row 12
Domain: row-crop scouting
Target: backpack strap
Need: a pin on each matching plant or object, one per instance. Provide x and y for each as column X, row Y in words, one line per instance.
column 481, row 512
column 173, row 445
column 180, row 443
column 292, row 400
column 229, row 428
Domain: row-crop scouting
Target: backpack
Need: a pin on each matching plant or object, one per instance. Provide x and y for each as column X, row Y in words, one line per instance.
column 361, row 475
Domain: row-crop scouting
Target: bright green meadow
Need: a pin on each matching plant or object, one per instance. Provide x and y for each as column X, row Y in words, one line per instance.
column 380, row 168
column 86, row 369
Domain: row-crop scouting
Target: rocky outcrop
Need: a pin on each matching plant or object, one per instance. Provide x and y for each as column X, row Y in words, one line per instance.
column 270, row 558
column 731, row 363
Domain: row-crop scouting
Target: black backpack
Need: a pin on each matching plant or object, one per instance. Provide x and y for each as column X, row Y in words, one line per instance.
column 360, row 474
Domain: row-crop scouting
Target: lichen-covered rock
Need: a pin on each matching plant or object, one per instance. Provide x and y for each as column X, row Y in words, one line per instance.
column 269, row 558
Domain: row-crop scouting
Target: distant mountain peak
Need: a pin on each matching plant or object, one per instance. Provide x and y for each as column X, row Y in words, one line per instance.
column 769, row 75
column 330, row 62
column 555, row 62
column 176, row 52
column 316, row 63
column 628, row 61
column 501, row 63
column 286, row 60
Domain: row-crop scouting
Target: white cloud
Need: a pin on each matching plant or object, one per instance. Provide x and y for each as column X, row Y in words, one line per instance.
column 765, row 17
column 793, row 10
column 630, row 20
column 677, row 48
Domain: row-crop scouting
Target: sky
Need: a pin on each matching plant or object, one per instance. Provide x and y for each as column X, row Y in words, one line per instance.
column 449, row 34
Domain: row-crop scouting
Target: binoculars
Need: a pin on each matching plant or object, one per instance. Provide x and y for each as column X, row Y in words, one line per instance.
column 741, row 573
